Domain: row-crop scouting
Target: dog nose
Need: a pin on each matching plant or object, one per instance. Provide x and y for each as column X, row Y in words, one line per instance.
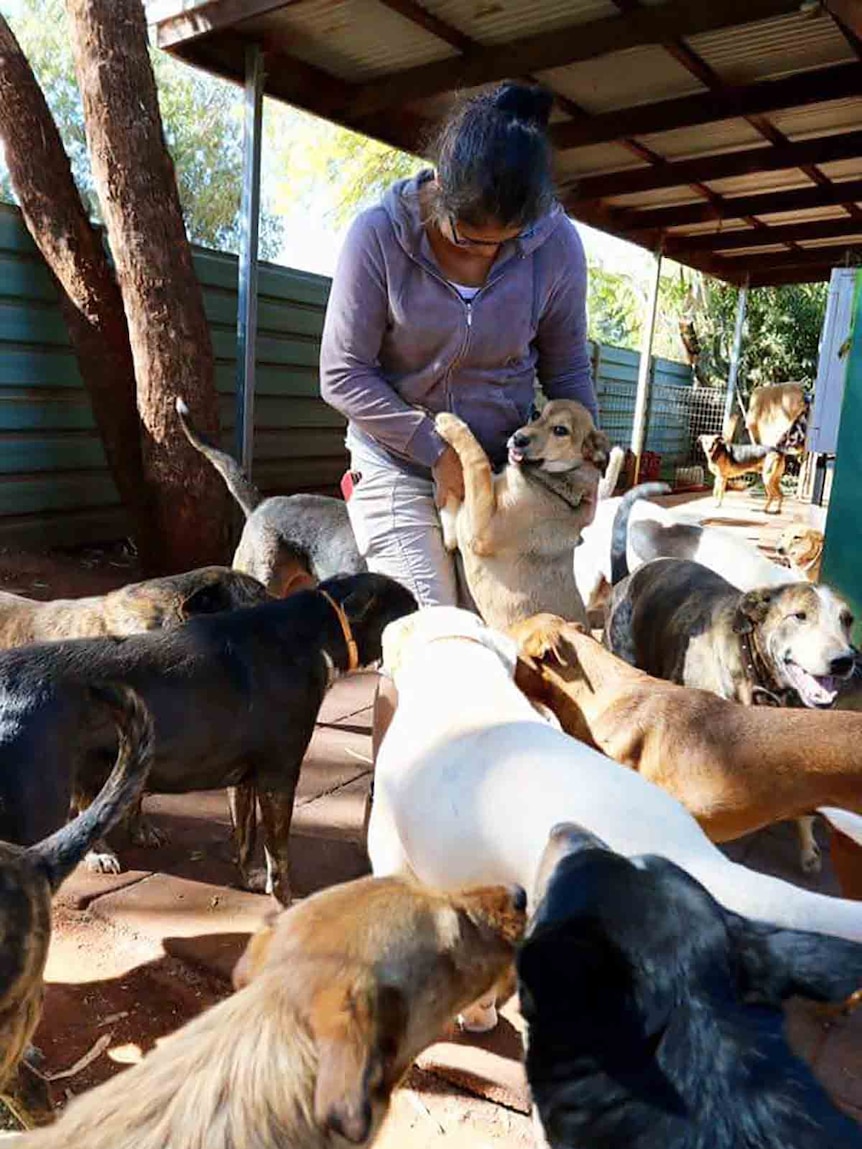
column 520, row 440
column 519, row 898
column 842, row 666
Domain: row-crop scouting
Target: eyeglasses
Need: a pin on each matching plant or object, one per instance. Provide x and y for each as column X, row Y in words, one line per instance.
column 468, row 241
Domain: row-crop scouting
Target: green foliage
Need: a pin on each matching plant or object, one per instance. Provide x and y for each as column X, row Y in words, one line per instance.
column 614, row 310
column 202, row 120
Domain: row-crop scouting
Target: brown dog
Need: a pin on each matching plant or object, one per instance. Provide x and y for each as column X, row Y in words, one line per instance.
column 337, row 997
column 156, row 604
column 730, row 461
column 735, row 768
column 516, row 531
column 29, row 876
column 803, row 547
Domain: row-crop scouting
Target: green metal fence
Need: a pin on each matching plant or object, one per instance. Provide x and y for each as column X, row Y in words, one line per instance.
column 55, row 488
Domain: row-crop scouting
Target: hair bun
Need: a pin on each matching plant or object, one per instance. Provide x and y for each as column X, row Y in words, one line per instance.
column 527, row 103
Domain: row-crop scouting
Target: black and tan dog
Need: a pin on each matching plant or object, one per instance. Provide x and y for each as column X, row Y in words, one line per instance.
column 30, row 876
column 156, row 604
column 288, row 541
column 731, row 460
column 654, row 1015
column 234, row 698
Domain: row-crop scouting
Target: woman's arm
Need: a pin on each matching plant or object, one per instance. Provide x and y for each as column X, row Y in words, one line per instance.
column 564, row 367
column 350, row 376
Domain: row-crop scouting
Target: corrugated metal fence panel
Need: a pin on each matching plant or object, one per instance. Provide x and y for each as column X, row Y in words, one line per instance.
column 55, row 488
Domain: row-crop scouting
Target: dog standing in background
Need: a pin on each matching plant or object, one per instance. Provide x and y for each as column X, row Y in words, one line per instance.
column 731, row 460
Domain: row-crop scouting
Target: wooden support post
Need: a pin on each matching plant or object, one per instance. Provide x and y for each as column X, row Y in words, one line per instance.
column 644, row 370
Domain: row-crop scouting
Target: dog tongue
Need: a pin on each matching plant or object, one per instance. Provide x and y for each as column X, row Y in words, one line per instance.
column 813, row 689
column 515, row 456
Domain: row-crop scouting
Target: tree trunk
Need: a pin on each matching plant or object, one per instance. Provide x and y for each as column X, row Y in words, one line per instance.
column 89, row 297
column 169, row 337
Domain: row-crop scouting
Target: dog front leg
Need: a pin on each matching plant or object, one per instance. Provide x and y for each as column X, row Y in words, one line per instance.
column 242, row 803
column 276, row 812
column 809, row 855
column 480, row 502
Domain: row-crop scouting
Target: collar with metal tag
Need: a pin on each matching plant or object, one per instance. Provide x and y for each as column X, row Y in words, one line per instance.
column 349, row 640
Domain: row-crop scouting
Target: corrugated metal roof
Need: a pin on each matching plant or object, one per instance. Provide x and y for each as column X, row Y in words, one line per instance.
column 709, row 227
column 494, row 21
column 637, row 76
column 354, row 39
column 849, row 240
column 772, row 48
column 596, row 159
column 662, row 197
column 703, row 140
column 782, row 217
column 843, row 169
column 761, row 182
column 742, row 252
column 819, row 119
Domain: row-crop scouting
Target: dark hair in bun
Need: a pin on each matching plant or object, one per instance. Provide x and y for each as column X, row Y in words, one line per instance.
column 493, row 157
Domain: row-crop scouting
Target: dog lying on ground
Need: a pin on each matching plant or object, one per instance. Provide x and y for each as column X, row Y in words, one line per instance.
column 731, row 460
column 735, row 769
column 639, row 530
column 234, row 698
column 288, row 541
column 29, row 876
column 336, row 999
column 654, row 1016
column 516, row 530
column 155, row 604
column 782, row 646
column 469, row 781
column 803, row 548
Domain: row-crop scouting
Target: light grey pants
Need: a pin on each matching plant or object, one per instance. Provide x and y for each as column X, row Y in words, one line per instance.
column 398, row 530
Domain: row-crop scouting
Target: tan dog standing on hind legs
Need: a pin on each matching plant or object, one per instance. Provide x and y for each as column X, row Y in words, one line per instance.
column 516, row 531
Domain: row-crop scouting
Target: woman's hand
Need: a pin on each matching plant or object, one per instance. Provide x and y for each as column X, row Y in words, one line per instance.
column 448, row 478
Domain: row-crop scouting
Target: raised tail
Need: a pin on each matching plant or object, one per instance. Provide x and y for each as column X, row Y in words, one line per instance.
column 238, row 483
column 620, row 532
column 608, row 483
column 58, row 855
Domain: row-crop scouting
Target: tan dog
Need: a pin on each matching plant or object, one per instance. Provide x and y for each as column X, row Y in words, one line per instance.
column 337, row 997
column 156, row 604
column 29, row 876
column 803, row 547
column 773, row 410
column 516, row 531
column 730, row 461
column 735, row 768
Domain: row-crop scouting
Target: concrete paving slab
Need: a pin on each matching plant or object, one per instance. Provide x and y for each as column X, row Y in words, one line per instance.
column 348, row 696
column 334, row 758
column 83, row 886
column 338, row 814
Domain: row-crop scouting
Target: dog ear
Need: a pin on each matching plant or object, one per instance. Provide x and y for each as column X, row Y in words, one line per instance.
column 255, row 954
column 357, row 1036
column 751, row 610
column 210, row 599
column 597, row 448
column 774, row 964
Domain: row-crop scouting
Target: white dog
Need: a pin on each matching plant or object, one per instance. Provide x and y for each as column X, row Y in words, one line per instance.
column 469, row 782
column 654, row 531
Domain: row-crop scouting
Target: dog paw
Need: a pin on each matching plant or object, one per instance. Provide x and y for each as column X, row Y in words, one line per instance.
column 449, row 426
column 811, row 860
column 103, row 862
column 147, row 835
column 540, row 636
column 257, row 881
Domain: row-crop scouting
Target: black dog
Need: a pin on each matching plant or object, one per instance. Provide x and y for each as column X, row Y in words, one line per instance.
column 654, row 1015
column 234, row 698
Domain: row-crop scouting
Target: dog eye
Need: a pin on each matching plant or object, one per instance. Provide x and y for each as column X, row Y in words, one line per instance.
column 846, row 619
column 801, row 615
column 560, row 430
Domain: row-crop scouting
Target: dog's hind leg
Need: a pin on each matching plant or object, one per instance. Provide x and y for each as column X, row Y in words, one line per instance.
column 480, row 502
column 242, row 803
column 141, row 831
column 809, row 856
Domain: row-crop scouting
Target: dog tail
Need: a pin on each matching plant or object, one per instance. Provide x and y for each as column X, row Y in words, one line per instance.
column 620, row 533
column 238, row 483
column 608, row 484
column 58, row 855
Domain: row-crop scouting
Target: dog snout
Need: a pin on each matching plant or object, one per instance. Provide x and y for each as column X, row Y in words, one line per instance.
column 520, row 440
column 519, row 898
column 843, row 665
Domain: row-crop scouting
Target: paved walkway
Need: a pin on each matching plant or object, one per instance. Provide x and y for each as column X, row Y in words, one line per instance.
column 137, row 954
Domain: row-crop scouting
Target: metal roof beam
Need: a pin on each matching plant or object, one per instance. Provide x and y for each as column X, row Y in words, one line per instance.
column 765, row 261
column 721, row 242
column 766, row 203
column 750, row 161
column 814, row 87
column 561, row 46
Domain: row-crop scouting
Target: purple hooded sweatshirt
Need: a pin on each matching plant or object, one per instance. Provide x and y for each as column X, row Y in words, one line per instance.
column 401, row 344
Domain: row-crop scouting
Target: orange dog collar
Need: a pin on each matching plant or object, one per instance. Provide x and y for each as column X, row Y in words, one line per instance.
column 349, row 640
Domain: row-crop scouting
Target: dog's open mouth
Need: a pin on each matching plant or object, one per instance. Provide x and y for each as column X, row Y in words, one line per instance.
column 518, row 458
column 815, row 690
